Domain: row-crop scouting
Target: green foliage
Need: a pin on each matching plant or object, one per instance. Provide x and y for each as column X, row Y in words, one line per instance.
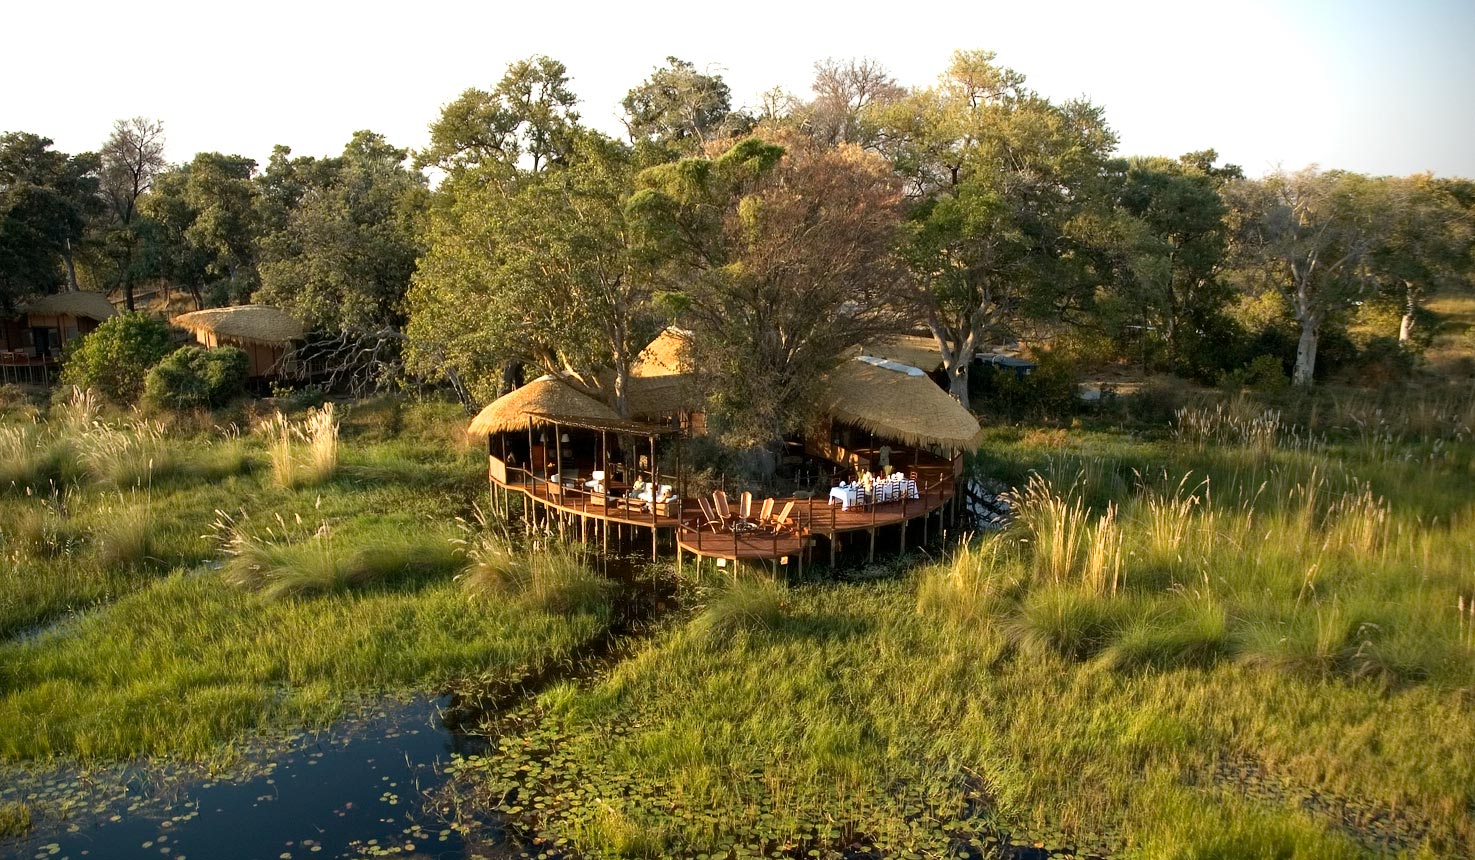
column 1048, row 392
column 193, row 377
column 203, row 226
column 566, row 290
column 46, row 198
column 776, row 287
column 528, row 116
column 678, row 109
column 115, row 359
column 343, row 245
column 1265, row 373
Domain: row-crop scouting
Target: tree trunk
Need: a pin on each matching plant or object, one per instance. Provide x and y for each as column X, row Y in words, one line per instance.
column 622, row 386
column 509, row 377
column 958, row 384
column 71, row 268
column 1306, row 353
column 1406, row 325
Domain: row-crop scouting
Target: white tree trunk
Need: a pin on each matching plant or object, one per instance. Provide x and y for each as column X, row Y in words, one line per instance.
column 1406, row 326
column 1306, row 353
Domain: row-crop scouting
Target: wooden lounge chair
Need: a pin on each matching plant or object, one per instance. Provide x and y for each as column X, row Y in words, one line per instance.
column 709, row 516
column 723, row 509
column 765, row 513
column 745, row 505
column 781, row 521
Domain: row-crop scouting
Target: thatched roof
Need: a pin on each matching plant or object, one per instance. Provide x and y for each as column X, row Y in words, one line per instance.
column 662, row 396
column 542, row 401
column 893, row 403
column 257, row 323
column 79, row 304
column 663, row 356
column 919, row 352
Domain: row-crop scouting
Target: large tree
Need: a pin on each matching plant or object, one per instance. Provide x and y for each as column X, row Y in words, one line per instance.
column 777, row 256
column 678, row 109
column 847, row 95
column 345, row 249
column 1310, row 236
column 998, row 177
column 528, row 119
column 132, row 157
column 46, row 199
column 1427, row 246
column 204, row 226
column 1168, row 239
column 536, row 268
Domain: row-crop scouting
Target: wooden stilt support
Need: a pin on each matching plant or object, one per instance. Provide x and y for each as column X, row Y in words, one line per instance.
column 903, row 550
column 871, row 555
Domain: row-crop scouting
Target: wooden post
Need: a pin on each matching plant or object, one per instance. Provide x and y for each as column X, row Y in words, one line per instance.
column 655, row 480
column 903, row 550
column 871, row 555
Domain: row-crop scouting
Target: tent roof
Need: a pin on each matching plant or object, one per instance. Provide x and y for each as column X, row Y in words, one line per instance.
column 920, row 352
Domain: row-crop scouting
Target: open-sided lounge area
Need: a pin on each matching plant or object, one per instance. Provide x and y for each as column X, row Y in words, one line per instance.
column 885, row 458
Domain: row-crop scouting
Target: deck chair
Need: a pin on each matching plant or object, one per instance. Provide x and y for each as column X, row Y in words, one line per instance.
column 783, row 517
column 709, row 516
column 765, row 513
column 745, row 505
column 719, row 503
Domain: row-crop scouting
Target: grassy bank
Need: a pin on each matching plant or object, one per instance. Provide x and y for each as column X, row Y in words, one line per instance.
column 1241, row 638
column 169, row 588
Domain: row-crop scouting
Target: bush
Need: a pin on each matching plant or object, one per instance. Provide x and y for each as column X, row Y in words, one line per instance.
column 114, row 359
column 1264, row 373
column 1048, row 391
column 192, row 377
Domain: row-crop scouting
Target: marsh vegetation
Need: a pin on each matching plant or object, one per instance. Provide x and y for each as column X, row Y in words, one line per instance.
column 1247, row 633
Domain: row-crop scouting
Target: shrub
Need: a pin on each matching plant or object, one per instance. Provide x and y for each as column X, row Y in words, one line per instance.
column 1264, row 373
column 192, row 377
column 1049, row 391
column 116, row 357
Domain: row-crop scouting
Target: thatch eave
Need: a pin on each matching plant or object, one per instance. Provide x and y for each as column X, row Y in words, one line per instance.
column 245, row 323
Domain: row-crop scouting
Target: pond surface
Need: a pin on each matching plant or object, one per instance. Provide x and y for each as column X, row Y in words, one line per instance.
column 357, row 790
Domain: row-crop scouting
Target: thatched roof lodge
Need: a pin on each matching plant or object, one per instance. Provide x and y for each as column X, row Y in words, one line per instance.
column 265, row 333
column 55, row 319
column 557, row 443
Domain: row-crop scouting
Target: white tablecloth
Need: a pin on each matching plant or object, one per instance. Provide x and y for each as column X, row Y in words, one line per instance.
column 846, row 496
column 881, row 492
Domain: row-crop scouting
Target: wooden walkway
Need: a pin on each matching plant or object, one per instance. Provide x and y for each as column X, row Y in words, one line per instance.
column 811, row 518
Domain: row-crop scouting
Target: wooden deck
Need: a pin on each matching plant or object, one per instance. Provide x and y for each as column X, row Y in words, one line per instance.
column 811, row 518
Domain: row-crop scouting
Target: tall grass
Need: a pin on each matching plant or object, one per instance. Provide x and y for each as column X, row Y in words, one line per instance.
column 303, row 453
column 126, row 536
column 287, row 559
column 747, row 604
column 546, row 576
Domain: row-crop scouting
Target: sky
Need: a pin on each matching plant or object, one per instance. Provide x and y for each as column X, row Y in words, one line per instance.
column 1375, row 87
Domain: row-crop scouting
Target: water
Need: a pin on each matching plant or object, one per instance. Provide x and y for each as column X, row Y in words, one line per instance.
column 358, row 790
